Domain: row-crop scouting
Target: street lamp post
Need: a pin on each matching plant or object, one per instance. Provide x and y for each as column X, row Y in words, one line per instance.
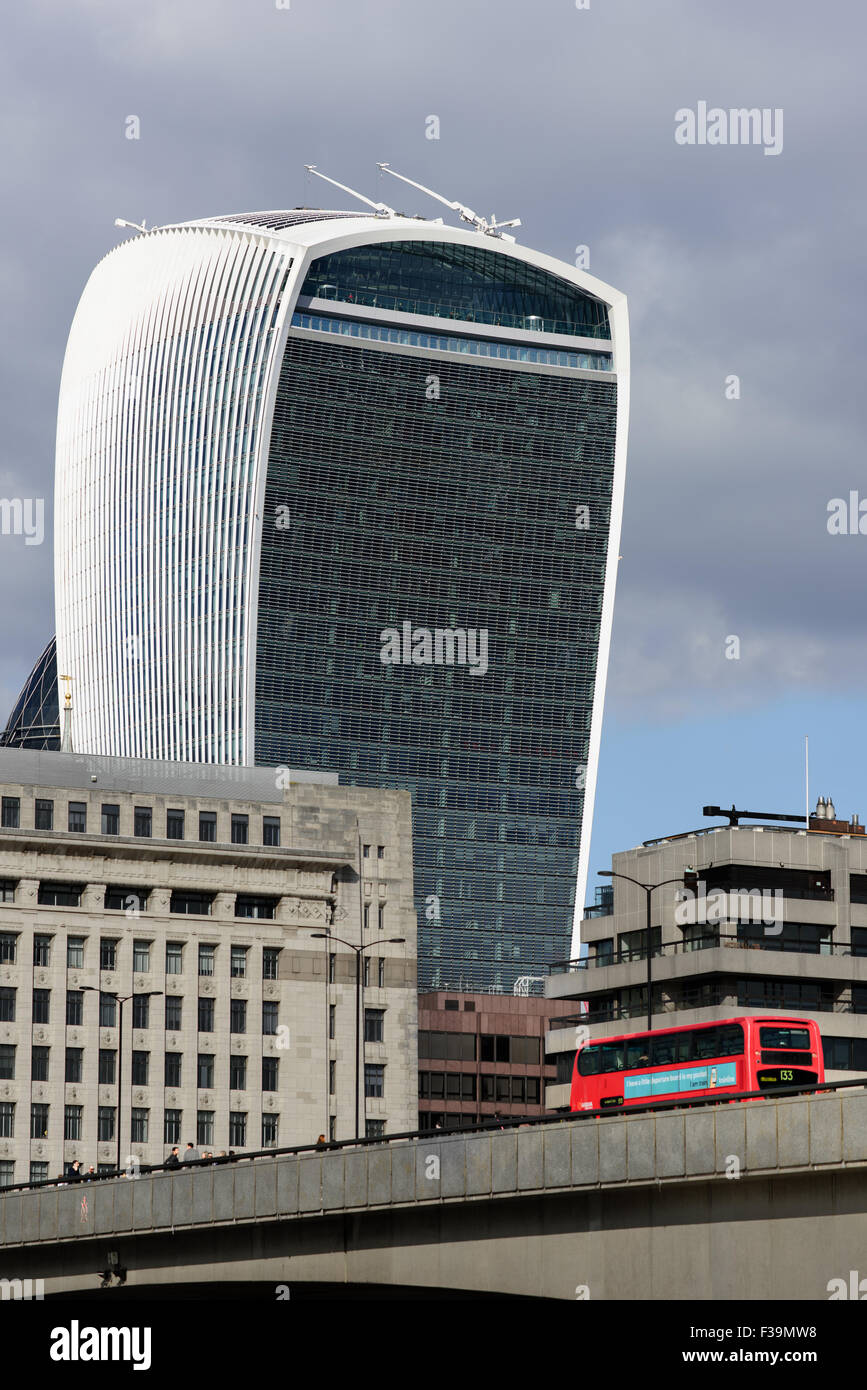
column 359, row 952
column 120, row 1000
column 649, row 888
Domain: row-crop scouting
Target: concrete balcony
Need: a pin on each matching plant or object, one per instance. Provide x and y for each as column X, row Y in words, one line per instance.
column 560, row 1040
column 558, row 1095
column 674, row 962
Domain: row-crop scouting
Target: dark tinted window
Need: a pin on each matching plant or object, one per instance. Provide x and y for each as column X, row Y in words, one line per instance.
column 637, row 1053
column 455, row 282
column 453, row 1046
column 60, row 894
column 604, row 1057
column 525, row 1050
column 197, row 904
column 836, row 1053
column 667, row 1048
column 662, row 1049
column 248, row 906
column 797, row 1038
column 726, row 1040
column 126, row 899
column 575, row 419
column 785, row 994
column 565, row 1064
column 731, row 1043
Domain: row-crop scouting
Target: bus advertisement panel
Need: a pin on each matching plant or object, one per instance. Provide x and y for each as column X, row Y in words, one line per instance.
column 663, row 1083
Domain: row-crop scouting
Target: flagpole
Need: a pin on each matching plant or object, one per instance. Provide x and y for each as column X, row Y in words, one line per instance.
column 807, row 779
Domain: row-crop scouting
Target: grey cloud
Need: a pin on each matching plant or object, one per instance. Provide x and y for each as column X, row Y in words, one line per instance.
column 732, row 262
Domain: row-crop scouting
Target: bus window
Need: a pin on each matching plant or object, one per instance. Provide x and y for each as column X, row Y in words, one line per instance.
column 706, row 1043
column 663, row 1050
column 603, row 1057
column 682, row 1044
column 731, row 1040
column 637, row 1053
column 798, row 1039
column 590, row 1062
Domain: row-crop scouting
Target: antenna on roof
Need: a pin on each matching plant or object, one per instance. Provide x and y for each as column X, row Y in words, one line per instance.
column 490, row 226
column 382, row 209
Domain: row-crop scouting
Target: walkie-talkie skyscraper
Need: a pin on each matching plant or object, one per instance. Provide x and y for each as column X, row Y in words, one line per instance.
column 343, row 491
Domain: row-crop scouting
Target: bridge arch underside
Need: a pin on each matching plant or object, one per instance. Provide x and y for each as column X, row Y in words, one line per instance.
column 784, row 1236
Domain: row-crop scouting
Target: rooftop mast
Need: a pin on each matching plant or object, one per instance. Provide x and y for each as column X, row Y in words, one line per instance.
column 382, row 209
column 490, row 226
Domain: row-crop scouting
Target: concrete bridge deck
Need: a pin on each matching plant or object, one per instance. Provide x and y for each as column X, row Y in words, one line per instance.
column 759, row 1201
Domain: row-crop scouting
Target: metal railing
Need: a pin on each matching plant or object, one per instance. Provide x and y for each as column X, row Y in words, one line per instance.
column 683, row 1003
column 712, row 829
column 729, row 940
column 359, row 296
column 614, row 1013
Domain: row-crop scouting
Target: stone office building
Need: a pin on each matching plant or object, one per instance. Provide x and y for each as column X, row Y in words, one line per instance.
column 175, row 905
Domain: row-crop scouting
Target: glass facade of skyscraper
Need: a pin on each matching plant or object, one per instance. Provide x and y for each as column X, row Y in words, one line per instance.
column 422, row 492
column 35, row 718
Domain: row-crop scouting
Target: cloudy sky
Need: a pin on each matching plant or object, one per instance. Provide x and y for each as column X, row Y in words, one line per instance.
column 734, row 262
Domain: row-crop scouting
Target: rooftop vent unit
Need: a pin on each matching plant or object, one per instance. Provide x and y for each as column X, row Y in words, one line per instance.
column 824, row 820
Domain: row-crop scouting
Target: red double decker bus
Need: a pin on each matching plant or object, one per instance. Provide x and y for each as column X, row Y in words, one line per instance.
column 706, row 1059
